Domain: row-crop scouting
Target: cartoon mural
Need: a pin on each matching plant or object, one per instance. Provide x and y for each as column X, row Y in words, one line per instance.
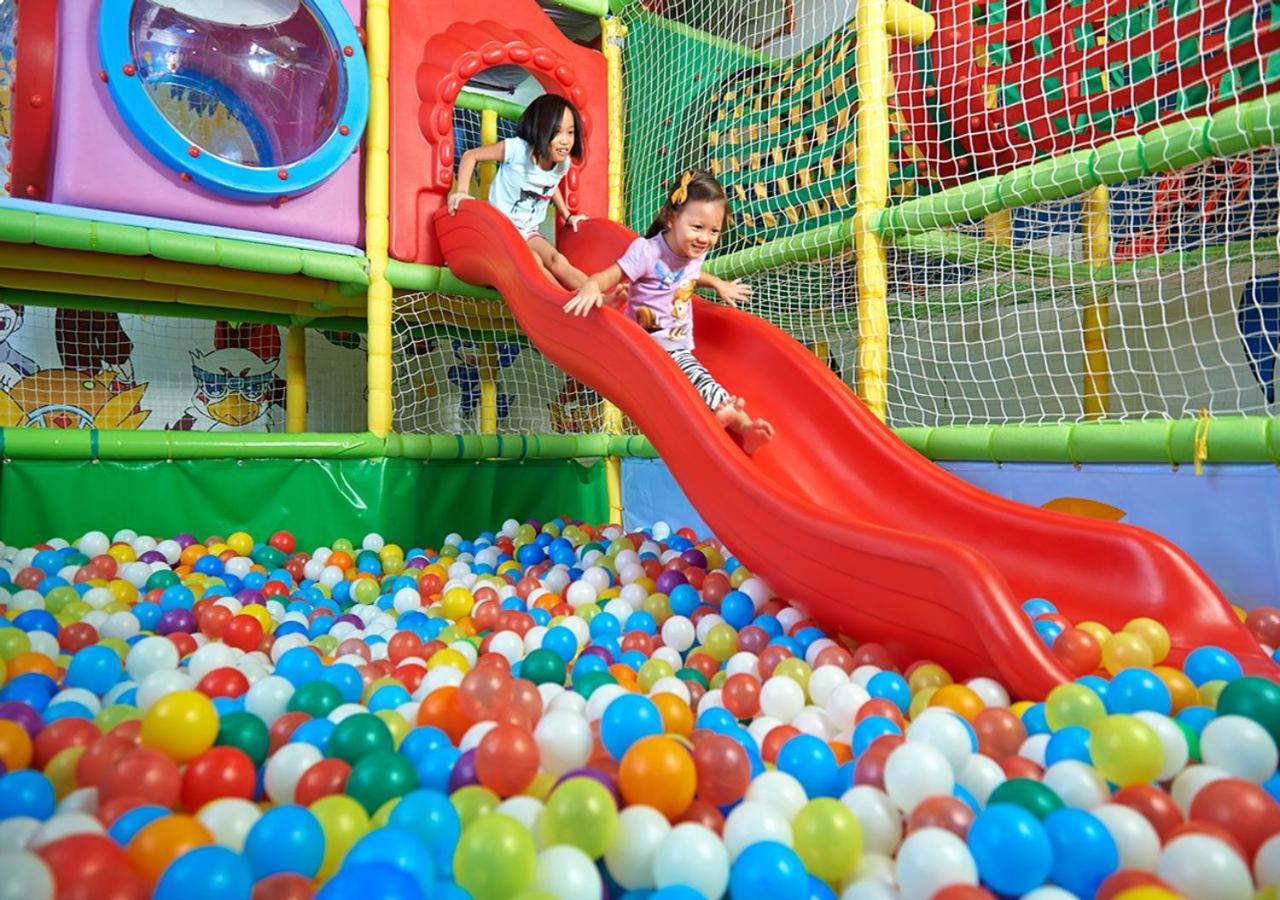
column 576, row 409
column 67, row 398
column 94, row 343
column 237, row 388
column 465, row 375
column 14, row 365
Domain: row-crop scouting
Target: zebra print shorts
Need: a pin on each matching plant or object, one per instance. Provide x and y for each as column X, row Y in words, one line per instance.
column 708, row 388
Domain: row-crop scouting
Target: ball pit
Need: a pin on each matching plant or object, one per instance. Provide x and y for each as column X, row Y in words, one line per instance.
column 557, row 710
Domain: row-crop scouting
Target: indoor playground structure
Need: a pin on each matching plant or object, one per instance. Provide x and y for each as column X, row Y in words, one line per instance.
column 337, row 561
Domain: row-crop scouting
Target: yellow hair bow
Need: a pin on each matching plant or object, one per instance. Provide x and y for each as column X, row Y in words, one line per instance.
column 681, row 194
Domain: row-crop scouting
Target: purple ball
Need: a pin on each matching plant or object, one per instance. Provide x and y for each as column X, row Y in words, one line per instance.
column 353, row 619
column 24, row 714
column 588, row 772
column 184, row 540
column 248, row 596
column 694, row 557
column 601, row 652
column 152, row 556
column 668, row 581
column 464, row 771
column 172, row 620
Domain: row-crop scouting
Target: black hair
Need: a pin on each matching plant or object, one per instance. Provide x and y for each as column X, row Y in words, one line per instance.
column 541, row 120
column 696, row 186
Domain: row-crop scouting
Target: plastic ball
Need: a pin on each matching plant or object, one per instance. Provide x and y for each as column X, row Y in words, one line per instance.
column 658, row 772
column 205, row 873
column 828, row 838
column 1204, row 868
column 641, row 831
column 495, row 858
column 581, row 812
column 1239, row 746
column 1124, row 650
column 507, row 759
column 1084, row 853
column 159, row 843
column 1126, row 750
column 914, row 772
column 626, row 720
column 1011, row 848
column 692, row 856
column 565, row 872
column 768, row 869
column 932, row 859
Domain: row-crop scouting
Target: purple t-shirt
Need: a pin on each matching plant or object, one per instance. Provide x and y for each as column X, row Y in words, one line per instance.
column 661, row 293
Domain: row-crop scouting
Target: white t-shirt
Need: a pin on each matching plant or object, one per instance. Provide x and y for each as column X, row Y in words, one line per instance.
column 522, row 189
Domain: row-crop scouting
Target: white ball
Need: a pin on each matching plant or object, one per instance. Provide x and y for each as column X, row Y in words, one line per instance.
column 1050, row 892
column 600, row 699
column 45, row 644
column 1172, row 741
column 1034, row 748
column 991, row 692
column 564, row 740
column 1266, row 863
column 62, row 825
column 567, row 873
column 161, row 684
column 473, row 735
column 752, row 822
column 508, row 644
column 569, row 701
column 269, row 698
column 525, row 810
column 82, row 800
column 880, row 819
column 678, row 633
column 914, row 772
column 374, row 542
column 94, row 543
column 229, row 819
column 1200, row 867
column 931, row 859
column 669, row 685
column 26, row 877
column 286, row 766
column 824, row 681
column 641, row 831
column 692, row 855
column 980, row 776
column 151, row 654
column 778, row 790
column 1191, row 782
column 16, row 831
column 844, row 702
column 1135, row 837
column 944, row 731
column 215, row 656
column 781, row 698
column 1079, row 785
column 1240, row 747
column 580, row 593
column 815, row 721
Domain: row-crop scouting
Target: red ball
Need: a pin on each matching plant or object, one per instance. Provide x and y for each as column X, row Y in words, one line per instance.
column 741, row 695
column 327, row 777
column 963, row 892
column 58, row 736
column 185, row 643
column 100, row 757
column 774, row 741
column 507, row 759
column 213, row 620
column 283, row 728
column 223, row 682
column 702, row 813
column 109, row 884
column 77, row 857
column 769, row 659
column 1000, row 732
column 1078, row 650
column 1021, row 767
column 402, row 645
column 144, row 773
column 1242, row 808
column 1155, row 805
column 284, row 886
column 1118, row 882
column 869, row 769
column 1264, row 624
column 941, row 811
column 881, row 707
column 282, row 541
column 873, row 655
column 723, row 768
column 243, row 632
column 218, row 772
column 77, row 636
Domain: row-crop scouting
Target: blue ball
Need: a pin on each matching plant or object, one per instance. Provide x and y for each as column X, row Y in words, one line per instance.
column 66, row 709
column 818, row 889
column 148, row 613
column 395, row 846
column 430, row 816
column 206, row 873
column 1084, row 852
column 892, row 687
column 770, row 625
column 643, row 622
column 130, row 823
column 810, row 761
column 684, row 599
column 870, row 729
column 346, row 678
column 314, row 732
column 737, row 609
column 605, row 626
column 716, row 718
column 33, row 689
column 1211, row 663
column 26, row 792
column 1034, row 720
column 1071, row 742
column 388, row 697
column 626, row 720
column 769, row 869
column 1011, row 849
column 48, row 561
column 562, row 642
column 286, row 839
column 1047, row 631
column 1196, row 717
column 36, row 620
column 364, row 881
column 96, row 669
column 435, row 766
column 1097, row 684
column 1038, row 607
column 672, row 892
column 177, row 596
column 1138, row 690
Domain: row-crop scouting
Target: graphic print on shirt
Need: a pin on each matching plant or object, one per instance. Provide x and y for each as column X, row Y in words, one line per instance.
column 530, row 199
column 681, row 306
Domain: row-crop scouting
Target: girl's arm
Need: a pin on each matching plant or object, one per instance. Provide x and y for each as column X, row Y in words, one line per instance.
column 563, row 209
column 467, row 168
column 591, row 294
column 731, row 292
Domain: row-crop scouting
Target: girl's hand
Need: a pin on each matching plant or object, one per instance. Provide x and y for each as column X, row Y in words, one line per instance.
column 587, row 299
column 734, row 292
column 455, row 200
column 574, row 221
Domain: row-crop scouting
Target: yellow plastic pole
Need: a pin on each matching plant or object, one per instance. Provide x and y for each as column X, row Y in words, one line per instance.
column 488, row 135
column 377, row 193
column 614, row 35
column 998, row 228
column 1095, row 222
column 821, row 349
column 872, row 197
column 295, row 385
column 905, row 20
column 488, row 390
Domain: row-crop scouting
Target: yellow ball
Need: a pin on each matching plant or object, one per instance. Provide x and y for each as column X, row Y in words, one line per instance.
column 1126, row 750
column 1155, row 634
column 1124, row 650
column 181, row 725
column 241, row 542
column 928, row 675
column 1072, row 704
column 122, row 553
column 739, row 575
column 448, row 657
column 920, row 701
column 457, row 602
column 395, row 724
column 1099, row 631
column 658, row 606
column 343, row 821
column 1151, row 892
column 61, row 770
column 652, row 671
column 796, row 669
column 722, row 643
column 1210, row 691
column 123, row 591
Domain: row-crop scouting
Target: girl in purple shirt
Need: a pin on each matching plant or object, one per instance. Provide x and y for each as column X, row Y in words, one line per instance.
column 663, row 269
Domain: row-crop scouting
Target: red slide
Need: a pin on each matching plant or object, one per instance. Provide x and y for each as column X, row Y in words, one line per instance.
column 836, row 513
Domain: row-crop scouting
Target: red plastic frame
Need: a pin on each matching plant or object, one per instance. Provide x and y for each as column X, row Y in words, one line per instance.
column 436, row 47
column 33, row 99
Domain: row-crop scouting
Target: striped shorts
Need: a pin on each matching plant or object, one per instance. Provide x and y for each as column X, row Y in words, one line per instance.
column 708, row 388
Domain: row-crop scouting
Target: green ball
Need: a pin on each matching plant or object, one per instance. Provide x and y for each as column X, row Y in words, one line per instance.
column 581, row 812
column 587, row 684
column 316, row 698
column 268, row 557
column 246, row 732
column 343, row 544
column 357, row 737
column 1193, row 740
column 495, row 858
column 1032, row 796
column 57, row 599
column 473, row 802
column 543, row 667
column 688, row 674
column 380, row 776
column 162, row 579
column 1254, row 698
column 828, row 839
column 75, row 559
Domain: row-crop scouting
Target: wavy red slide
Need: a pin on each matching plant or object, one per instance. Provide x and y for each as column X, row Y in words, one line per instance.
column 837, row 514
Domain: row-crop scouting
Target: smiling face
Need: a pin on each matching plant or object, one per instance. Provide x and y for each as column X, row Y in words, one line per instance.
column 695, row 227
column 562, row 143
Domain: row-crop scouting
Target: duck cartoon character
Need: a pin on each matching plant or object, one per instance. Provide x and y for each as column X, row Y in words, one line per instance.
column 234, row 392
column 68, row 398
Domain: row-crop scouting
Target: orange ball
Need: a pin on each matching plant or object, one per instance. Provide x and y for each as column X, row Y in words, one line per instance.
column 658, row 772
column 441, row 709
column 1181, row 688
column 26, row 663
column 192, row 553
column 162, row 841
column 677, row 717
column 341, row 559
column 960, row 699
column 15, row 746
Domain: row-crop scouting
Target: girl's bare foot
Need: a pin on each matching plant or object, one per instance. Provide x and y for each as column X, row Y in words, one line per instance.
column 729, row 413
column 755, row 435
